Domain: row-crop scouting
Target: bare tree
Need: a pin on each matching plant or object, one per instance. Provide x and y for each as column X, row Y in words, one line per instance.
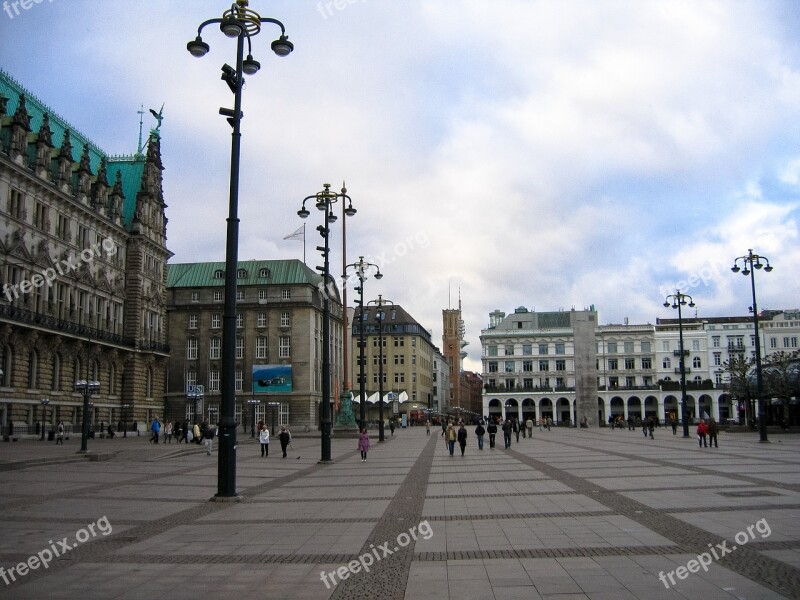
column 737, row 382
column 780, row 378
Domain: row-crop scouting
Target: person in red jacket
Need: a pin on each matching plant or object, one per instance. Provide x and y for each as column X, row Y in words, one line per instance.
column 702, row 430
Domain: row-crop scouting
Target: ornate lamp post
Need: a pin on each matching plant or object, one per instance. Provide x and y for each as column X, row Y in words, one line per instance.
column 324, row 201
column 361, row 269
column 752, row 262
column 125, row 409
column 677, row 300
column 88, row 388
column 241, row 23
column 45, row 402
column 254, row 402
column 380, row 303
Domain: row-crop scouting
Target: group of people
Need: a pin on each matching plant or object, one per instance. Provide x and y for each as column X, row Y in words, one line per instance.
column 284, row 437
column 509, row 427
column 201, row 433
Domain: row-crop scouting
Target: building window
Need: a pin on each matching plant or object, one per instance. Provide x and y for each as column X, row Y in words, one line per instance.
column 645, row 347
column 192, row 321
column 239, row 295
column 544, row 365
column 214, row 346
column 628, row 346
column 696, row 362
column 213, row 381
column 261, row 319
column 399, row 377
column 667, row 364
column 773, row 342
column 613, row 364
column 263, row 273
column 40, row 220
column 509, row 350
column 284, row 346
column 400, row 359
column 647, row 363
column 665, row 346
column 195, row 296
column 715, row 341
column 613, row 383
column 696, row 345
column 191, row 349
column 527, row 349
column 239, row 347
column 239, row 380
column 542, row 349
column 561, row 365
column 218, row 296
column 492, row 366
column 286, row 294
column 717, row 359
column 560, row 348
column 527, row 383
column 491, row 350
column 630, row 363
column 527, row 366
column 239, row 320
column 241, row 274
column 612, row 347
column 285, row 319
column 399, row 342
column 509, row 366
column 216, row 320
column 413, row 342
column 630, row 382
column 16, row 204
column 219, row 274
column 261, row 347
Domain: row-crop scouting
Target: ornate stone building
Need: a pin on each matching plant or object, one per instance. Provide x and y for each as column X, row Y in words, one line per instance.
column 83, row 243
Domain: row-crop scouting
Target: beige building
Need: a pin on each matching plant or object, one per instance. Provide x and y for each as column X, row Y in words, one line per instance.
column 278, row 343
column 82, row 237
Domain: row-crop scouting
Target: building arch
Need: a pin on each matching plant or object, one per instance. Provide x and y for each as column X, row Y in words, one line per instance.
column 635, row 407
column 529, row 409
column 545, row 408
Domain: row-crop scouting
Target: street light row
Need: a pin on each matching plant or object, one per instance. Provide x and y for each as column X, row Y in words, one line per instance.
column 750, row 264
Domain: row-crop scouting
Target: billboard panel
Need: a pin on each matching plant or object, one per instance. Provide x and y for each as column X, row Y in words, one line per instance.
column 271, row 379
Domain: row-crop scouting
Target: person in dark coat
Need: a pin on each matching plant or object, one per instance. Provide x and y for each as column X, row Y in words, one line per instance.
column 491, row 429
column 462, row 438
column 507, row 433
column 285, row 439
column 479, row 433
column 713, row 430
column 515, row 427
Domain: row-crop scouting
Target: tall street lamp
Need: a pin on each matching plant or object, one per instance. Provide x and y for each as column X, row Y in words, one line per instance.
column 241, row 23
column 677, row 300
column 254, row 403
column 87, row 387
column 324, row 201
column 125, row 408
column 361, row 269
column 45, row 402
column 752, row 262
column 380, row 303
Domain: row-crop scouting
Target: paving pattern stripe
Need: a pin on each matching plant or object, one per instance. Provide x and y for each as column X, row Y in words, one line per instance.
column 100, row 549
column 388, row 578
column 541, row 515
column 778, row 576
column 571, row 552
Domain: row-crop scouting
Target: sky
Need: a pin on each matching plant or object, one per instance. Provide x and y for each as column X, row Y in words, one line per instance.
column 551, row 154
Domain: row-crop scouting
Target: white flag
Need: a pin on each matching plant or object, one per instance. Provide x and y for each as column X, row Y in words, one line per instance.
column 297, row 235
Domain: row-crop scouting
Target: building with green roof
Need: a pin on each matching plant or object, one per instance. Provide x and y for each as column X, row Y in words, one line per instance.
column 278, row 343
column 83, row 240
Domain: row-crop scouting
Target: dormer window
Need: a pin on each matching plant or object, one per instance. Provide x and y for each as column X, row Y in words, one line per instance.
column 241, row 274
column 264, row 273
column 219, row 274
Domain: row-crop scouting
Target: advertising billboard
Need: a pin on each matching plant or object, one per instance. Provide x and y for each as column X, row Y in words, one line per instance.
column 272, row 379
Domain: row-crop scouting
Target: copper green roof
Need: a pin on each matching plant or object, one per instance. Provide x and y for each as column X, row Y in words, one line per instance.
column 130, row 167
column 281, row 272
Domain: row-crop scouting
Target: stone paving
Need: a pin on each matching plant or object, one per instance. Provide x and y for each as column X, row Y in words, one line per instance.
column 568, row 514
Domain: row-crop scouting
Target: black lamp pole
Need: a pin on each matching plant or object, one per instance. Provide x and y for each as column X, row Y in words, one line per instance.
column 677, row 300
column 361, row 268
column 751, row 262
column 241, row 23
column 380, row 303
column 324, row 201
column 45, row 402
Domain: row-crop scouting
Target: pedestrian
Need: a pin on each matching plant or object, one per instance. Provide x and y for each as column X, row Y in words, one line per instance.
column 529, row 427
column 450, row 438
column 462, row 438
column 178, row 432
column 491, row 429
column 363, row 444
column 208, row 438
column 479, row 433
column 507, row 433
column 630, row 423
column 549, row 423
column 428, row 428
column 444, row 427
column 644, row 427
column 713, row 430
column 391, row 427
column 168, row 432
column 263, row 437
column 60, row 433
column 702, row 430
column 651, row 424
column 612, row 421
column 285, row 438
column 155, row 427
column 674, row 422
column 196, row 433
column 515, row 427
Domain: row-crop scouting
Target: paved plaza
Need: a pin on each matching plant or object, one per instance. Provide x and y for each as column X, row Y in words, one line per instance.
column 569, row 514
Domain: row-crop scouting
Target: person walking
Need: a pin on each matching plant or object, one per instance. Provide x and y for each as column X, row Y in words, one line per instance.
column 491, row 429
column 208, row 438
column 196, row 433
column 462, row 438
column 363, row 444
column 178, row 432
column 155, row 427
column 515, row 427
column 60, row 433
column 479, row 433
column 713, row 430
column 450, row 438
column 507, row 433
column 263, row 437
column 702, row 430
column 674, row 422
column 529, row 427
column 428, row 428
column 444, row 428
column 168, row 432
column 285, row 438
column 651, row 425
column 391, row 427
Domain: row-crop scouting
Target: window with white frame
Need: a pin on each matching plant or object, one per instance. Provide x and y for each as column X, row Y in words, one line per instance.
column 195, row 296
column 285, row 318
column 261, row 346
column 239, row 320
column 696, row 362
column 286, row 294
column 239, row 380
column 193, row 321
column 239, row 347
column 191, row 349
column 262, row 295
column 284, row 346
column 218, row 297
column 214, row 345
column 213, row 381
column 261, row 319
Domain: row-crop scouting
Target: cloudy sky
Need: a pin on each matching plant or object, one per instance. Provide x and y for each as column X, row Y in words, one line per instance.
column 547, row 154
